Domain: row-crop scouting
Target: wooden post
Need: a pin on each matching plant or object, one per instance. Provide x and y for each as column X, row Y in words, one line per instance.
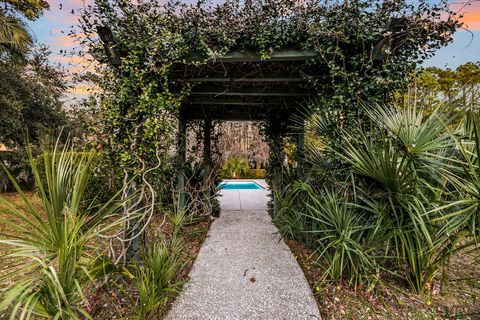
column 181, row 154
column 207, row 148
column 277, row 168
column 300, row 154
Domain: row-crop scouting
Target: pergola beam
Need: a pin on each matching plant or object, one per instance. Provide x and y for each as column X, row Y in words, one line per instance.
column 286, row 78
column 250, row 56
column 239, row 100
column 235, row 103
column 238, row 113
column 219, row 91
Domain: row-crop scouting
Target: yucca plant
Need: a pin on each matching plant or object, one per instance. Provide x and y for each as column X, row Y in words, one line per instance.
column 155, row 277
column 55, row 246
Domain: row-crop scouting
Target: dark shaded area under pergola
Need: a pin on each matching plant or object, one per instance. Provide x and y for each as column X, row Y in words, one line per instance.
column 242, row 86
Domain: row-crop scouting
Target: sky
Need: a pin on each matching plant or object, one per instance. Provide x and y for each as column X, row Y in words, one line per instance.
column 53, row 27
column 466, row 44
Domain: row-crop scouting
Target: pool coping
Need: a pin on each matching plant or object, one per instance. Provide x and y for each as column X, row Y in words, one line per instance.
column 255, row 186
column 260, row 182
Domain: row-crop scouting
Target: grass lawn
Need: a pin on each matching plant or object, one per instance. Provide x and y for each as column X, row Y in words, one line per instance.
column 458, row 297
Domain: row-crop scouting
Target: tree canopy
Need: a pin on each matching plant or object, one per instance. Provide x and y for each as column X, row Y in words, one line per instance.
column 433, row 87
column 30, row 99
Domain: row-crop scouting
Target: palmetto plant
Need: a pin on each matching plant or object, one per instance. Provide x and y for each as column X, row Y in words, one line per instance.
column 403, row 167
column 410, row 194
column 334, row 229
column 236, row 167
column 155, row 277
column 55, row 244
column 14, row 36
column 463, row 212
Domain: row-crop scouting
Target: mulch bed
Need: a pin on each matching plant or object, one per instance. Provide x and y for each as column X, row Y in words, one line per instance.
column 113, row 300
column 457, row 298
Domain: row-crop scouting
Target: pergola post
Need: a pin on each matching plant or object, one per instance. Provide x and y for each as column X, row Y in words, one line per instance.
column 277, row 167
column 207, row 150
column 181, row 157
column 300, row 154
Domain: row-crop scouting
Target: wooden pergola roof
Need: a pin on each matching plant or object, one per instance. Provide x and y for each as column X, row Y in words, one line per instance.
column 245, row 86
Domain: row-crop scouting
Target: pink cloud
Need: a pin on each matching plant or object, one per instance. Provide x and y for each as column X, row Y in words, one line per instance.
column 470, row 12
column 65, row 12
column 71, row 60
column 64, row 41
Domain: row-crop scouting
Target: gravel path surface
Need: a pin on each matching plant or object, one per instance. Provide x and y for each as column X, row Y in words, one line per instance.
column 243, row 270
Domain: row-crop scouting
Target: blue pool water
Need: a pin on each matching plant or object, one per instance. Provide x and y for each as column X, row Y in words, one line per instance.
column 230, row 185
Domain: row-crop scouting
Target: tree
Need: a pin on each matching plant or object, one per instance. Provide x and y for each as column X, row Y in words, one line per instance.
column 433, row 86
column 468, row 78
column 236, row 167
column 242, row 140
column 30, row 99
column 15, row 39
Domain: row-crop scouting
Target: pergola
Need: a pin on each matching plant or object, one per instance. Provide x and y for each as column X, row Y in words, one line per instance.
column 244, row 86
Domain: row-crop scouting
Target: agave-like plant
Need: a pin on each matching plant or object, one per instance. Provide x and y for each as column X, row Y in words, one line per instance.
column 155, row 278
column 55, row 245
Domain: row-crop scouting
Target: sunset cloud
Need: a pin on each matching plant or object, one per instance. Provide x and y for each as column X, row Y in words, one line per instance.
column 470, row 12
column 82, row 90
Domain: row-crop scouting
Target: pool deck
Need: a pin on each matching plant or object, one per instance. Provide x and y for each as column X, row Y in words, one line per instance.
column 245, row 199
column 244, row 270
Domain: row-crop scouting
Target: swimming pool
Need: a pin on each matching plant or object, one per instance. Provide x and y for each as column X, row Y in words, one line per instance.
column 240, row 185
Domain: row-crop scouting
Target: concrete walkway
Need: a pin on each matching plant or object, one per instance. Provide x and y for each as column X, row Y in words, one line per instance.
column 243, row 270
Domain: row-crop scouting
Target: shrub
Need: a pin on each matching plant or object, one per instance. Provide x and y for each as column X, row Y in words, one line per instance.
column 408, row 196
column 56, row 243
column 155, row 278
column 340, row 235
column 17, row 164
column 254, row 174
column 395, row 168
column 235, row 168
